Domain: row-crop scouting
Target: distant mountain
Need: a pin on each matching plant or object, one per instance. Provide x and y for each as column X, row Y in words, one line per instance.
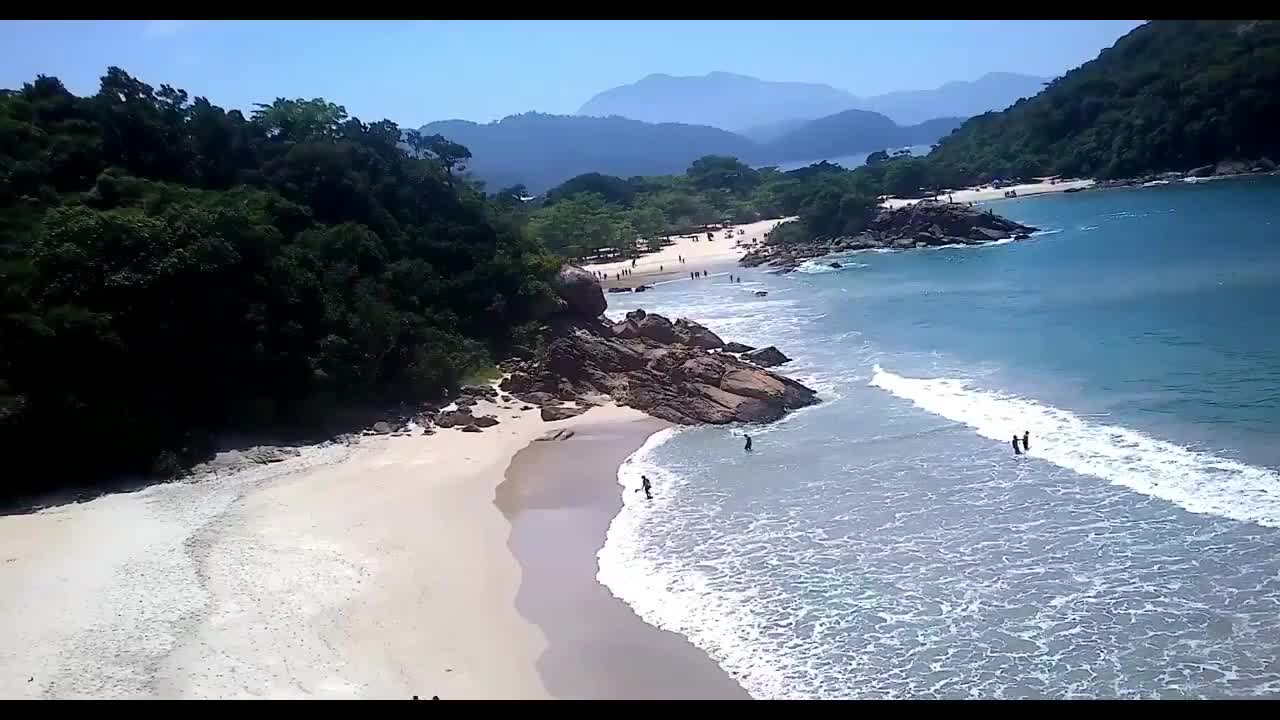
column 541, row 150
column 993, row 91
column 772, row 131
column 718, row 99
column 764, row 110
column 852, row 132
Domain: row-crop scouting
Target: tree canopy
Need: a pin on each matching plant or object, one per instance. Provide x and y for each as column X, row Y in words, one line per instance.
column 1170, row 95
column 170, row 269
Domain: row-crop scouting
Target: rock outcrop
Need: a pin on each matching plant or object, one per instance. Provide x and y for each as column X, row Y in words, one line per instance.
column 766, row 357
column 580, row 291
column 665, row 369
column 923, row 224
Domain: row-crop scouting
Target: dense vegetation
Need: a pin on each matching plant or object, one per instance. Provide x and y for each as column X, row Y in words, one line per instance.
column 169, row 269
column 1170, row 95
column 590, row 212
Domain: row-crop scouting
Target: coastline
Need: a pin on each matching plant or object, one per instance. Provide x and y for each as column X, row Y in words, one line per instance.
column 664, row 264
column 560, row 499
column 986, row 194
column 375, row 571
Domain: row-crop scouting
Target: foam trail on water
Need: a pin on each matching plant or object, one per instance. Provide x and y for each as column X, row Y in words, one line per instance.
column 682, row 600
column 1195, row 481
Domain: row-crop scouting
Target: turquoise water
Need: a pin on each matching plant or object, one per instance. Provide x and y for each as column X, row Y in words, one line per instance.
column 887, row 544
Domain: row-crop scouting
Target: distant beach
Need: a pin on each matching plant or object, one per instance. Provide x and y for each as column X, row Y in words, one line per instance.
column 987, row 193
column 699, row 254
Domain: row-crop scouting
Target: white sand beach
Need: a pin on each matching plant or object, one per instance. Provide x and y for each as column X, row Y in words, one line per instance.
column 698, row 254
column 983, row 194
column 379, row 570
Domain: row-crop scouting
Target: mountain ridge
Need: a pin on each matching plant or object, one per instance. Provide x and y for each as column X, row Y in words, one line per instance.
column 540, row 150
column 742, row 103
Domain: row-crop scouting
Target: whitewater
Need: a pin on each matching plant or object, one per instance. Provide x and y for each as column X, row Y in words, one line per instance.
column 888, row 544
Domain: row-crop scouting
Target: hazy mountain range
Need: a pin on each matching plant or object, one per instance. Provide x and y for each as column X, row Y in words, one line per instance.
column 541, row 151
column 661, row 124
column 740, row 102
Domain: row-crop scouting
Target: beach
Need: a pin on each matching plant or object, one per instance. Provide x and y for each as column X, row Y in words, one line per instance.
column 984, row 194
column 560, row 499
column 699, row 254
column 377, row 570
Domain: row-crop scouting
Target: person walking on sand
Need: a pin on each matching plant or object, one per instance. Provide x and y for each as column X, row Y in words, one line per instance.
column 747, row 447
column 1026, row 441
column 1016, row 451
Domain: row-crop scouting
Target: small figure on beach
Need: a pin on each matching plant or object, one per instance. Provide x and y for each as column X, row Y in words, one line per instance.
column 659, row 268
column 1026, row 441
column 1016, row 451
column 644, row 485
column 747, row 447
column 633, row 262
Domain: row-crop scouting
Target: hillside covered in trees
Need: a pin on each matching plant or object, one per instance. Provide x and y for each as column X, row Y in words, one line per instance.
column 594, row 211
column 1170, row 95
column 169, row 270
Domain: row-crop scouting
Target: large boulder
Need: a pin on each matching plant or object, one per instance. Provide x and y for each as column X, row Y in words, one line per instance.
column 695, row 335
column 737, row 347
column 455, row 418
column 581, row 292
column 551, row 413
column 757, row 384
column 657, row 329
column 485, row 421
column 766, row 357
column 627, row 330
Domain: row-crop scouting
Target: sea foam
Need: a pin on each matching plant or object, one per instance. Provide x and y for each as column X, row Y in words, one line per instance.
column 1198, row 482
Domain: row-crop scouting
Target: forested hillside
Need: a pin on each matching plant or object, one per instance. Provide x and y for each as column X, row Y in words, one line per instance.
column 1170, row 95
column 169, row 270
column 594, row 211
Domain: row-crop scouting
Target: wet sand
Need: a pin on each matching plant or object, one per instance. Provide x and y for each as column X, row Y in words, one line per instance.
column 560, row 498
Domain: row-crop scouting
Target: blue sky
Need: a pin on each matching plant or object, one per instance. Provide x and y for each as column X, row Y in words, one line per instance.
column 417, row 71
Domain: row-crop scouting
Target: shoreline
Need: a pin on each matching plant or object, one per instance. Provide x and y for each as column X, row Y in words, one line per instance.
column 987, row 194
column 560, row 499
column 379, row 570
column 664, row 264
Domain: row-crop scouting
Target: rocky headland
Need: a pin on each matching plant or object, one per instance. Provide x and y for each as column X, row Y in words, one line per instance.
column 923, row 224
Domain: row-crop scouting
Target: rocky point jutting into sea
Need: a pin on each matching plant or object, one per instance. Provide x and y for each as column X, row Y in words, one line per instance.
column 677, row 371
column 924, row 224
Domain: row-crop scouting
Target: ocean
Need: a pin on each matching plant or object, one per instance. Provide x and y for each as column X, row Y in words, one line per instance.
column 887, row 544
column 851, row 161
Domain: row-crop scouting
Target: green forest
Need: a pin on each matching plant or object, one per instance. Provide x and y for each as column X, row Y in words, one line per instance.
column 1170, row 95
column 587, row 213
column 170, row 269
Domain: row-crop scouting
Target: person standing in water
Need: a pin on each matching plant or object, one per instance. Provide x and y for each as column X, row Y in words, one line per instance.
column 1026, row 441
column 747, row 447
column 644, row 485
column 1016, row 451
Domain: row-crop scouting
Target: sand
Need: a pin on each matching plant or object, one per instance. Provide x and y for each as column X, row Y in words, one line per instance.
column 984, row 194
column 561, row 498
column 699, row 255
column 375, row 571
